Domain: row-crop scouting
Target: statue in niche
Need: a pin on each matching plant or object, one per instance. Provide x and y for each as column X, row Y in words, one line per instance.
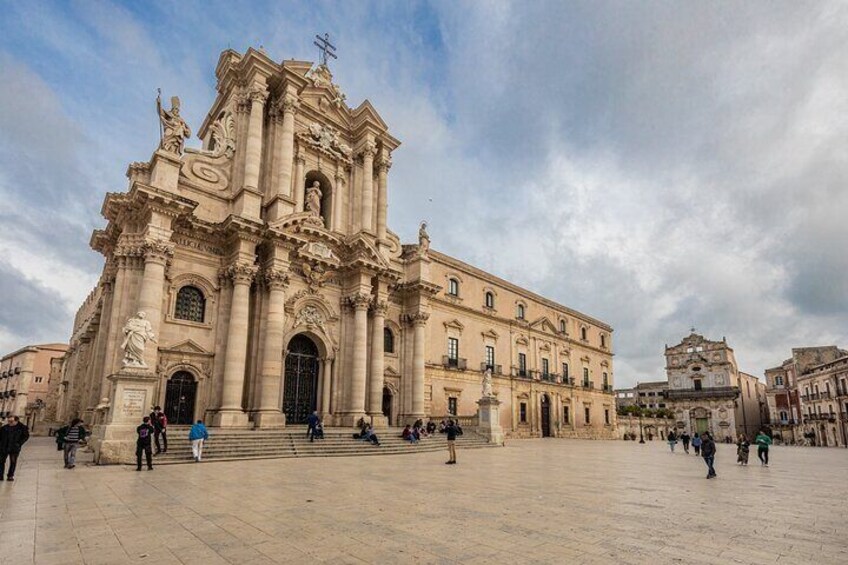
column 137, row 332
column 174, row 129
column 423, row 239
column 487, row 384
column 313, row 199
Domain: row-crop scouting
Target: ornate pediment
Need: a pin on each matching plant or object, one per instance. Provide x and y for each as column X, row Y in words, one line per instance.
column 544, row 324
column 188, row 346
column 319, row 251
column 326, row 140
column 492, row 334
column 454, row 324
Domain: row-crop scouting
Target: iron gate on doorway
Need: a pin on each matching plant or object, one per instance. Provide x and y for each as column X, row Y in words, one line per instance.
column 301, row 380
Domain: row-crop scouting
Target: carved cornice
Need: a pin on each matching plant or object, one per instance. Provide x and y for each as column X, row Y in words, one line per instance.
column 238, row 273
column 359, row 300
column 416, row 318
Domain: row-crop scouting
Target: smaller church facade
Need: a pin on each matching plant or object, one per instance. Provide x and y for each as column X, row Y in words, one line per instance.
column 255, row 280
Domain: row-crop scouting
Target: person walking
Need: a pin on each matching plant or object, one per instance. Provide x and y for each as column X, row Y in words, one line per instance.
column 742, row 450
column 143, row 443
column 71, row 440
column 312, row 421
column 452, row 430
column 708, row 450
column 696, row 443
column 12, row 438
column 197, row 435
column 684, row 439
column 160, row 425
column 763, row 441
column 672, row 440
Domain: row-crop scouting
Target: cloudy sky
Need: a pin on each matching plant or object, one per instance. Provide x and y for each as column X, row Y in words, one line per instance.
column 656, row 165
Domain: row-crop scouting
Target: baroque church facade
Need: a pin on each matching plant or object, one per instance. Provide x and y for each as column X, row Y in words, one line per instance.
column 267, row 284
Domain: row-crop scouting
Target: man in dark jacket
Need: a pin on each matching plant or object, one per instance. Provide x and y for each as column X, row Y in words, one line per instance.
column 142, row 444
column 160, row 424
column 708, row 449
column 12, row 437
column 74, row 434
column 452, row 430
column 312, row 421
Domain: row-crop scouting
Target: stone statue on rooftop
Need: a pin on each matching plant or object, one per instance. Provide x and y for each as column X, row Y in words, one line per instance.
column 174, row 130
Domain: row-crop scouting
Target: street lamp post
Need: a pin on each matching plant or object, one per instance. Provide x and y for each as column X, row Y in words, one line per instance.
column 641, row 435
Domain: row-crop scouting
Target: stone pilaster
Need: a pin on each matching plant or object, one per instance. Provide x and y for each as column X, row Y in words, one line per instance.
column 369, row 149
column 157, row 253
column 356, row 394
column 269, row 414
column 231, row 413
column 418, row 321
column 288, row 106
column 249, row 199
column 383, row 166
column 375, row 399
column 326, row 386
column 299, row 183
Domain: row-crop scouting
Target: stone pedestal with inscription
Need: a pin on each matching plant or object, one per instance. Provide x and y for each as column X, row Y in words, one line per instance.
column 132, row 398
column 488, row 419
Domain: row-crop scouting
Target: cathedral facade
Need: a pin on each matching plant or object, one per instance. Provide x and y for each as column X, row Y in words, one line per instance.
column 255, row 280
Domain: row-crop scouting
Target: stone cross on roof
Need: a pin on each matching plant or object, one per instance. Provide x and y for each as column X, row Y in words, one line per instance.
column 325, row 48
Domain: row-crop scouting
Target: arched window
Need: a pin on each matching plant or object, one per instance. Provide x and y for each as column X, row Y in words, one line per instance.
column 191, row 305
column 562, row 326
column 490, row 300
column 388, row 341
column 583, row 334
column 453, row 287
column 520, row 312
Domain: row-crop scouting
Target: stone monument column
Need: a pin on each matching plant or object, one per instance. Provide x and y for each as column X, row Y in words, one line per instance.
column 367, row 193
column 299, row 184
column 419, row 322
column 325, row 388
column 231, row 413
column 156, row 256
column 375, row 401
column 269, row 414
column 356, row 401
column 383, row 166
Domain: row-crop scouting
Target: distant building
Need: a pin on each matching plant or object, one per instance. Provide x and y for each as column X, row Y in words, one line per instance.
column 24, row 381
column 646, row 395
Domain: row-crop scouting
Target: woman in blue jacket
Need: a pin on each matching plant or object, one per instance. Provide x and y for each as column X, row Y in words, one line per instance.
column 197, row 435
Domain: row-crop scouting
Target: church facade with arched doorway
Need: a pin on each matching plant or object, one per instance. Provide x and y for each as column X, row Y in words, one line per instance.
column 263, row 265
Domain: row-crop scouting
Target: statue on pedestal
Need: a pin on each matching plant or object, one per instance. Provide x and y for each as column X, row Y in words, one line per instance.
column 313, row 199
column 138, row 332
column 487, row 384
column 174, row 130
column 423, row 239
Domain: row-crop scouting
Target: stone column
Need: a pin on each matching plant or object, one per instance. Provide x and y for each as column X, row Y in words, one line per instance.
column 231, row 413
column 110, row 315
column 375, row 402
column 289, row 106
column 419, row 322
column 367, row 193
column 325, row 388
column 156, row 256
column 338, row 199
column 253, row 146
column 383, row 167
column 356, row 401
column 269, row 414
column 299, row 184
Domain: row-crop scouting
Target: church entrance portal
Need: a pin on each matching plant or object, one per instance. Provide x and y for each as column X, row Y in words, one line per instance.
column 179, row 398
column 387, row 403
column 546, row 416
column 301, row 380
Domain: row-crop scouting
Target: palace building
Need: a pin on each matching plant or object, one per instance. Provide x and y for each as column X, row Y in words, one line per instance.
column 255, row 280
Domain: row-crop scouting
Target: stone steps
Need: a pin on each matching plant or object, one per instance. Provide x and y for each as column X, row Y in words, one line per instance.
column 230, row 445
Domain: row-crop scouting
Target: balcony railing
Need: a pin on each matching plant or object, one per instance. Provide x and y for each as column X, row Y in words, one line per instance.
column 787, row 422
column 549, row 377
column 521, row 373
column 827, row 416
column 607, row 388
column 454, row 362
column 588, row 384
column 714, row 392
column 496, row 369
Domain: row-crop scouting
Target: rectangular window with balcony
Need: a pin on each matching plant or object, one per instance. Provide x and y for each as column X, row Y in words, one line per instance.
column 522, row 412
column 545, row 368
column 565, row 415
column 453, row 348
column 522, row 364
column 452, row 406
column 490, row 357
column 606, row 381
column 585, row 376
column 778, row 381
column 565, row 372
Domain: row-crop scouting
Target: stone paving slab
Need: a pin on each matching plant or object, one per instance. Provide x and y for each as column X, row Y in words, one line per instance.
column 534, row 501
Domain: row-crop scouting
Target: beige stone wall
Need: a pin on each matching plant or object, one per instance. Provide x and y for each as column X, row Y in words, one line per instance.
column 27, row 373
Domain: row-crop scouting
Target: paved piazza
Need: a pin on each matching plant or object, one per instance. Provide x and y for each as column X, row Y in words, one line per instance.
column 534, row 501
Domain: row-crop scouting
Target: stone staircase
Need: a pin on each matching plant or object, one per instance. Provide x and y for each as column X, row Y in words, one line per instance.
column 232, row 445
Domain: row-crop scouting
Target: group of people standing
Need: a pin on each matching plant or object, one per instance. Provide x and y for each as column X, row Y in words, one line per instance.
column 13, row 435
column 704, row 445
column 153, row 430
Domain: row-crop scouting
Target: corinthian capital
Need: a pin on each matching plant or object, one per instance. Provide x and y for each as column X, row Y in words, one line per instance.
column 368, row 149
column 359, row 300
column 275, row 279
column 384, row 163
column 158, row 251
column 380, row 307
column 416, row 318
column 258, row 94
column 239, row 273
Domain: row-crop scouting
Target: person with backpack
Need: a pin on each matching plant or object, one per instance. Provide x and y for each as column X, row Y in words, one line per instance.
column 71, row 439
column 160, row 425
column 12, row 438
column 708, row 450
column 143, row 444
column 763, row 441
column 696, row 443
column 197, row 435
column 452, row 430
column 684, row 439
column 672, row 440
